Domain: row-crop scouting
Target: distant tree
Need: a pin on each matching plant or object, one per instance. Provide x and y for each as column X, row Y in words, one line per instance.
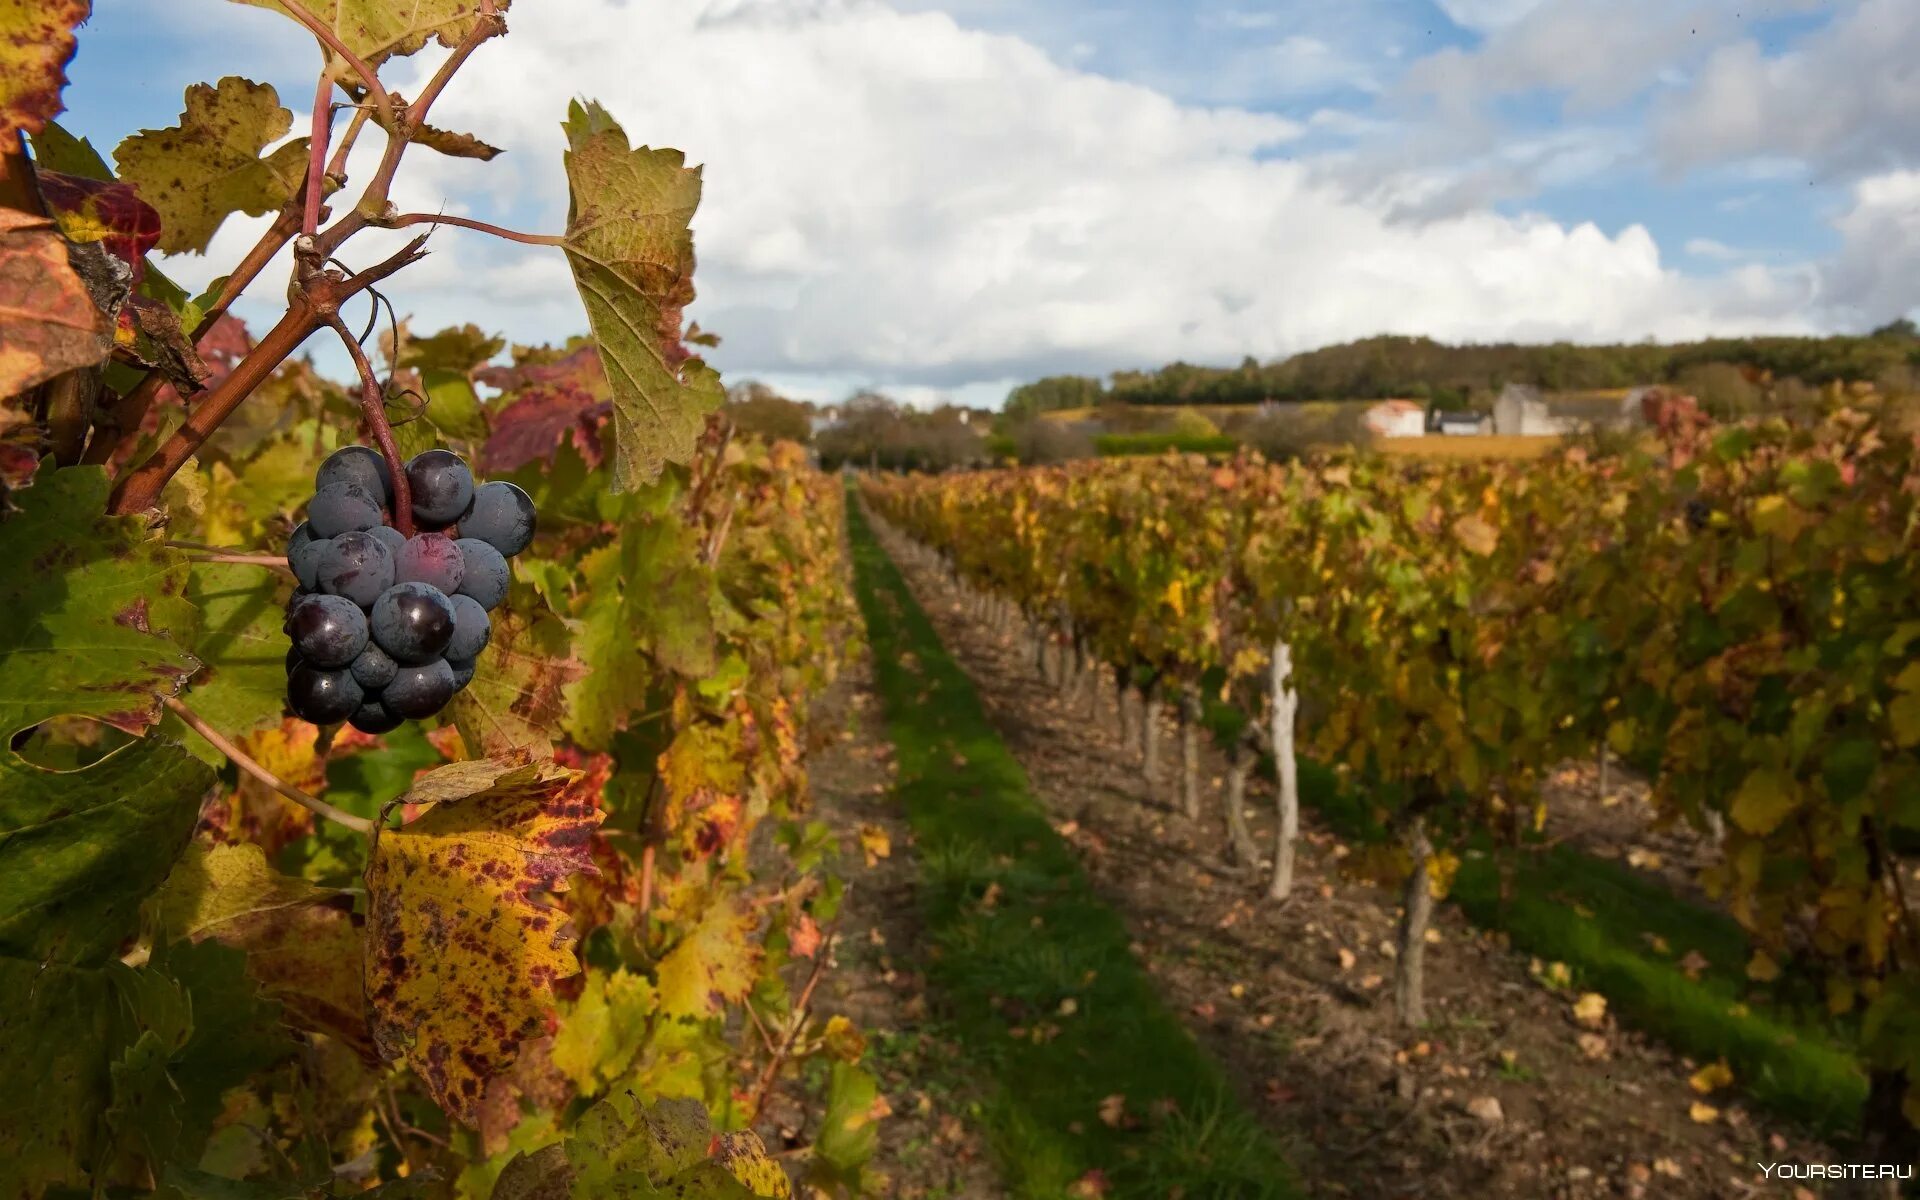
column 1041, row 441
column 1052, row 394
column 756, row 408
column 874, row 430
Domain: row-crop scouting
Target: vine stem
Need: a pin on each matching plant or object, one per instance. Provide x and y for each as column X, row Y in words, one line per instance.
column 765, row 1083
column 243, row 560
column 373, row 414
column 512, row 235
column 240, row 759
column 322, row 132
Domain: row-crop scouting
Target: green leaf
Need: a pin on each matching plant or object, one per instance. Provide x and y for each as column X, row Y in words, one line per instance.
column 56, row 1045
column 518, row 701
column 80, row 850
column 209, row 166
column 849, row 1130
column 54, row 149
column 605, row 1030
column 631, row 251
column 244, row 685
column 377, row 30
column 650, row 597
column 88, row 599
column 1903, row 715
column 1766, row 797
column 625, row 1150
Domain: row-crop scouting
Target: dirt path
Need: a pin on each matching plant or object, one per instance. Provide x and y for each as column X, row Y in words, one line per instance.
column 930, row 1147
column 1506, row 1094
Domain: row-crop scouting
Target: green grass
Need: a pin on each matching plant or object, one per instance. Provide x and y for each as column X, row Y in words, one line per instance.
column 1015, row 929
column 1600, row 919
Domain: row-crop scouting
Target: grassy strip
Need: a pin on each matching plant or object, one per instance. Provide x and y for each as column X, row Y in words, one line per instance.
column 1045, row 997
column 1601, row 919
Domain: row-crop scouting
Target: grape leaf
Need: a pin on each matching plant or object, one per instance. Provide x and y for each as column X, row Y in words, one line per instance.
column 36, row 43
column 454, row 145
column 463, row 947
column 605, row 1030
column 631, row 251
column 49, row 323
column 104, row 211
column 79, row 852
column 849, row 1134
column 302, row 945
column 649, row 597
column 209, row 166
column 380, row 29
column 54, row 149
column 714, row 962
column 243, row 685
column 87, row 600
column 517, row 701
column 622, row 1147
column 546, row 404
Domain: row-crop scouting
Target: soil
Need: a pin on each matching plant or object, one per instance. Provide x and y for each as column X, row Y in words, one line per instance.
column 1505, row 1094
column 930, row 1146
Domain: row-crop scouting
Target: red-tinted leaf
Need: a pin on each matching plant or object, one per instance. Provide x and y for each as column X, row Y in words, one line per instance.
column 104, row 211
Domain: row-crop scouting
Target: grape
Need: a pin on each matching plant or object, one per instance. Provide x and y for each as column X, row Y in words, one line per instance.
column 293, row 659
column 322, row 697
column 486, row 572
column 502, row 517
column 372, row 717
column 342, row 507
column 442, row 488
column 389, row 537
column 462, row 672
column 329, row 631
column 374, row 668
column 412, row 622
column 433, row 559
column 358, row 566
column 303, row 555
column 420, row 691
column 471, row 629
column 360, row 465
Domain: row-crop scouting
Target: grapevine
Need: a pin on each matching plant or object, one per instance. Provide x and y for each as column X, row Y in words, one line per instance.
column 370, row 827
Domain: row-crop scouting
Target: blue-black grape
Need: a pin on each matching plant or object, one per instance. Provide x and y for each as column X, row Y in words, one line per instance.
column 412, row 622
column 303, row 555
column 360, row 465
column 330, row 631
column 389, row 537
column 430, row 558
column 293, row 658
column 442, row 488
column 374, row 668
column 502, row 517
column 372, row 717
column 358, row 566
column 341, row 508
column 486, row 572
column 323, row 697
column 471, row 628
column 419, row 691
column 462, row 672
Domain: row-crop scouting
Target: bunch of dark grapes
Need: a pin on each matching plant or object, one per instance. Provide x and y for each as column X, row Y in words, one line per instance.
column 386, row 627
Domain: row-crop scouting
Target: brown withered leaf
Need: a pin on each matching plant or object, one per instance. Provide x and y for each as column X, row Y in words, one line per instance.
column 453, row 144
column 463, row 945
column 49, row 324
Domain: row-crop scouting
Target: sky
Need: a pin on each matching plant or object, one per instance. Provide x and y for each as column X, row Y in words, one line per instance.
column 944, row 198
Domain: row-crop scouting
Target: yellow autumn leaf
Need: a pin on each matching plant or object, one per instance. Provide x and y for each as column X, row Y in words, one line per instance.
column 875, row 843
column 1903, row 715
column 843, row 1040
column 1761, row 968
column 714, row 963
column 1476, row 535
column 1711, row 1078
column 1177, row 597
column 1704, row 1114
column 1590, row 1009
column 462, row 950
column 1766, row 798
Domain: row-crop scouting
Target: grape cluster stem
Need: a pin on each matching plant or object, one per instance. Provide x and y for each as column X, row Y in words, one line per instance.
column 241, row 759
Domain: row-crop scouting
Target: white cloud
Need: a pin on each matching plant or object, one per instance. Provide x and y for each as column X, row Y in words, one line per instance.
column 1844, row 99
column 893, row 199
column 1482, row 16
column 1702, row 247
column 1874, row 276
